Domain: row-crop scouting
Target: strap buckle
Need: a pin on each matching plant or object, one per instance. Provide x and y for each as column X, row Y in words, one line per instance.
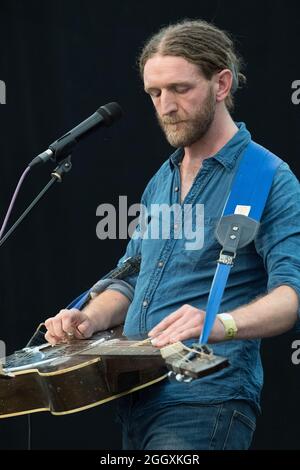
column 226, row 258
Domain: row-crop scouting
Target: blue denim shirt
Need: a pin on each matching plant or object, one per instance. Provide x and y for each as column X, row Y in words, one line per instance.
column 171, row 275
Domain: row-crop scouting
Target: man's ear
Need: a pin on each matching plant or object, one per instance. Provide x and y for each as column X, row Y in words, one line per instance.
column 223, row 82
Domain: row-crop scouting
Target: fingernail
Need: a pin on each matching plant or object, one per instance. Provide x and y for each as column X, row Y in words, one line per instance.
column 154, row 341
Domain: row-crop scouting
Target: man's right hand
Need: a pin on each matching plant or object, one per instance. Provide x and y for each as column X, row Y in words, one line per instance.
column 105, row 311
column 68, row 324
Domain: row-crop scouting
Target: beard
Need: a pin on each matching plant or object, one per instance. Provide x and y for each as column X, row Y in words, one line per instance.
column 183, row 132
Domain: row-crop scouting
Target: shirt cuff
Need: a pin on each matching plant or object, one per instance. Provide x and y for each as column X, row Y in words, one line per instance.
column 114, row 284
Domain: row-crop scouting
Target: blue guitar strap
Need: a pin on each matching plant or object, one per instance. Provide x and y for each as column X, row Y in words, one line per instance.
column 80, row 301
column 240, row 220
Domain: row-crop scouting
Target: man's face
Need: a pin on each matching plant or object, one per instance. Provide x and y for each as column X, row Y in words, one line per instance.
column 183, row 98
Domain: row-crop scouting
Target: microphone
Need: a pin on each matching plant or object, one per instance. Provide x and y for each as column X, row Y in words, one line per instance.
column 104, row 116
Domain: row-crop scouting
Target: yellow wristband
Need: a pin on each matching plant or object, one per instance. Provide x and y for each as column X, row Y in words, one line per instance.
column 229, row 325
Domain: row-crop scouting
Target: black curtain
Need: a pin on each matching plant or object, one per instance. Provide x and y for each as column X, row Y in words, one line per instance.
column 61, row 60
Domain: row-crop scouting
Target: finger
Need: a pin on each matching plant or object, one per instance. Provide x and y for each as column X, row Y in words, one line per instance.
column 70, row 320
column 193, row 332
column 84, row 330
column 57, row 322
column 57, row 327
column 167, row 321
column 188, row 333
column 160, row 341
column 51, row 338
column 188, row 329
column 190, row 318
column 49, row 323
column 81, row 324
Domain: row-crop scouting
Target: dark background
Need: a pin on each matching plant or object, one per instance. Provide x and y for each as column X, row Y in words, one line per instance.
column 61, row 60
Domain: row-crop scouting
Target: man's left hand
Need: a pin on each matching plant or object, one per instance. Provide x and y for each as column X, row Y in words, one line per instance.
column 185, row 323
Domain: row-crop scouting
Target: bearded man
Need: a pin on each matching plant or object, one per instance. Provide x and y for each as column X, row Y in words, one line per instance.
column 190, row 71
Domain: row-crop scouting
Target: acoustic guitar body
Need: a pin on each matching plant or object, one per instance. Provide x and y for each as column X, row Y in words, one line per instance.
column 78, row 375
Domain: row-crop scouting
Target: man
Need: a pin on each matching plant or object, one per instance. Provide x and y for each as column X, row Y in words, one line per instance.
column 191, row 70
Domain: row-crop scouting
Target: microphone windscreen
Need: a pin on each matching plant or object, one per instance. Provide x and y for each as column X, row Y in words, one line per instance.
column 110, row 112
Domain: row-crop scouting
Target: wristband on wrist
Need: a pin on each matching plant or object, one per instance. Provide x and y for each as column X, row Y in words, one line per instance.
column 229, row 325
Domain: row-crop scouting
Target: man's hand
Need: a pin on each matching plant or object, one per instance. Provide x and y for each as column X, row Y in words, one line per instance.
column 270, row 315
column 186, row 322
column 68, row 324
column 105, row 311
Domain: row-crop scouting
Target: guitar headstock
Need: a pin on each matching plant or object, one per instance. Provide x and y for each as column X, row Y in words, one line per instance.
column 186, row 364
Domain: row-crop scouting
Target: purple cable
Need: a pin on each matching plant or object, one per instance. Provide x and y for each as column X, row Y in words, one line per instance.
column 12, row 203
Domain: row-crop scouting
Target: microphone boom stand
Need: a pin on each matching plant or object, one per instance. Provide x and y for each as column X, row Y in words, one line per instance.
column 63, row 167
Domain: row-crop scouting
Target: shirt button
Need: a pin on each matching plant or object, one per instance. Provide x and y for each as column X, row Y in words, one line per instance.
column 176, row 189
column 175, row 226
column 160, row 264
column 145, row 303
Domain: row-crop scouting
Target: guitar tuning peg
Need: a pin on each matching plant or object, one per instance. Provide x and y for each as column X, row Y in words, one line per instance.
column 171, row 374
column 188, row 379
column 179, row 377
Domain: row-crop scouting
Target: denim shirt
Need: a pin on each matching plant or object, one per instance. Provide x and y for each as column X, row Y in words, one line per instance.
column 172, row 275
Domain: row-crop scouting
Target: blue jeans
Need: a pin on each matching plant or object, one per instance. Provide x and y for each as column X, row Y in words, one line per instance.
column 185, row 426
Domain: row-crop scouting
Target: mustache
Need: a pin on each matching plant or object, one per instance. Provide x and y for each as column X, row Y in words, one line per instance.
column 171, row 120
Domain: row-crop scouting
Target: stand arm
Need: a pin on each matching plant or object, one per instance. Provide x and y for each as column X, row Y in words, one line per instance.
column 64, row 167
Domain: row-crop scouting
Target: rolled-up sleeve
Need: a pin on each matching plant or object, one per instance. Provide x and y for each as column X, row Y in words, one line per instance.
column 278, row 239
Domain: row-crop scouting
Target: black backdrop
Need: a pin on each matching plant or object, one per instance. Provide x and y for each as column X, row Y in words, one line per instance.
column 60, row 61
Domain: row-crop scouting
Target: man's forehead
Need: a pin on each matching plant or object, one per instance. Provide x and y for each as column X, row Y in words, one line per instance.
column 167, row 69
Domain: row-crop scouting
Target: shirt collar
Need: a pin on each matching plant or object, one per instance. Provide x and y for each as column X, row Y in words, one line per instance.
column 228, row 154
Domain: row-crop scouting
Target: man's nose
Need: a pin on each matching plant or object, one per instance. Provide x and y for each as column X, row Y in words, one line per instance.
column 168, row 103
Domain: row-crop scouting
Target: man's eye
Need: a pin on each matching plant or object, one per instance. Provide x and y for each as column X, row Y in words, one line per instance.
column 154, row 94
column 181, row 89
